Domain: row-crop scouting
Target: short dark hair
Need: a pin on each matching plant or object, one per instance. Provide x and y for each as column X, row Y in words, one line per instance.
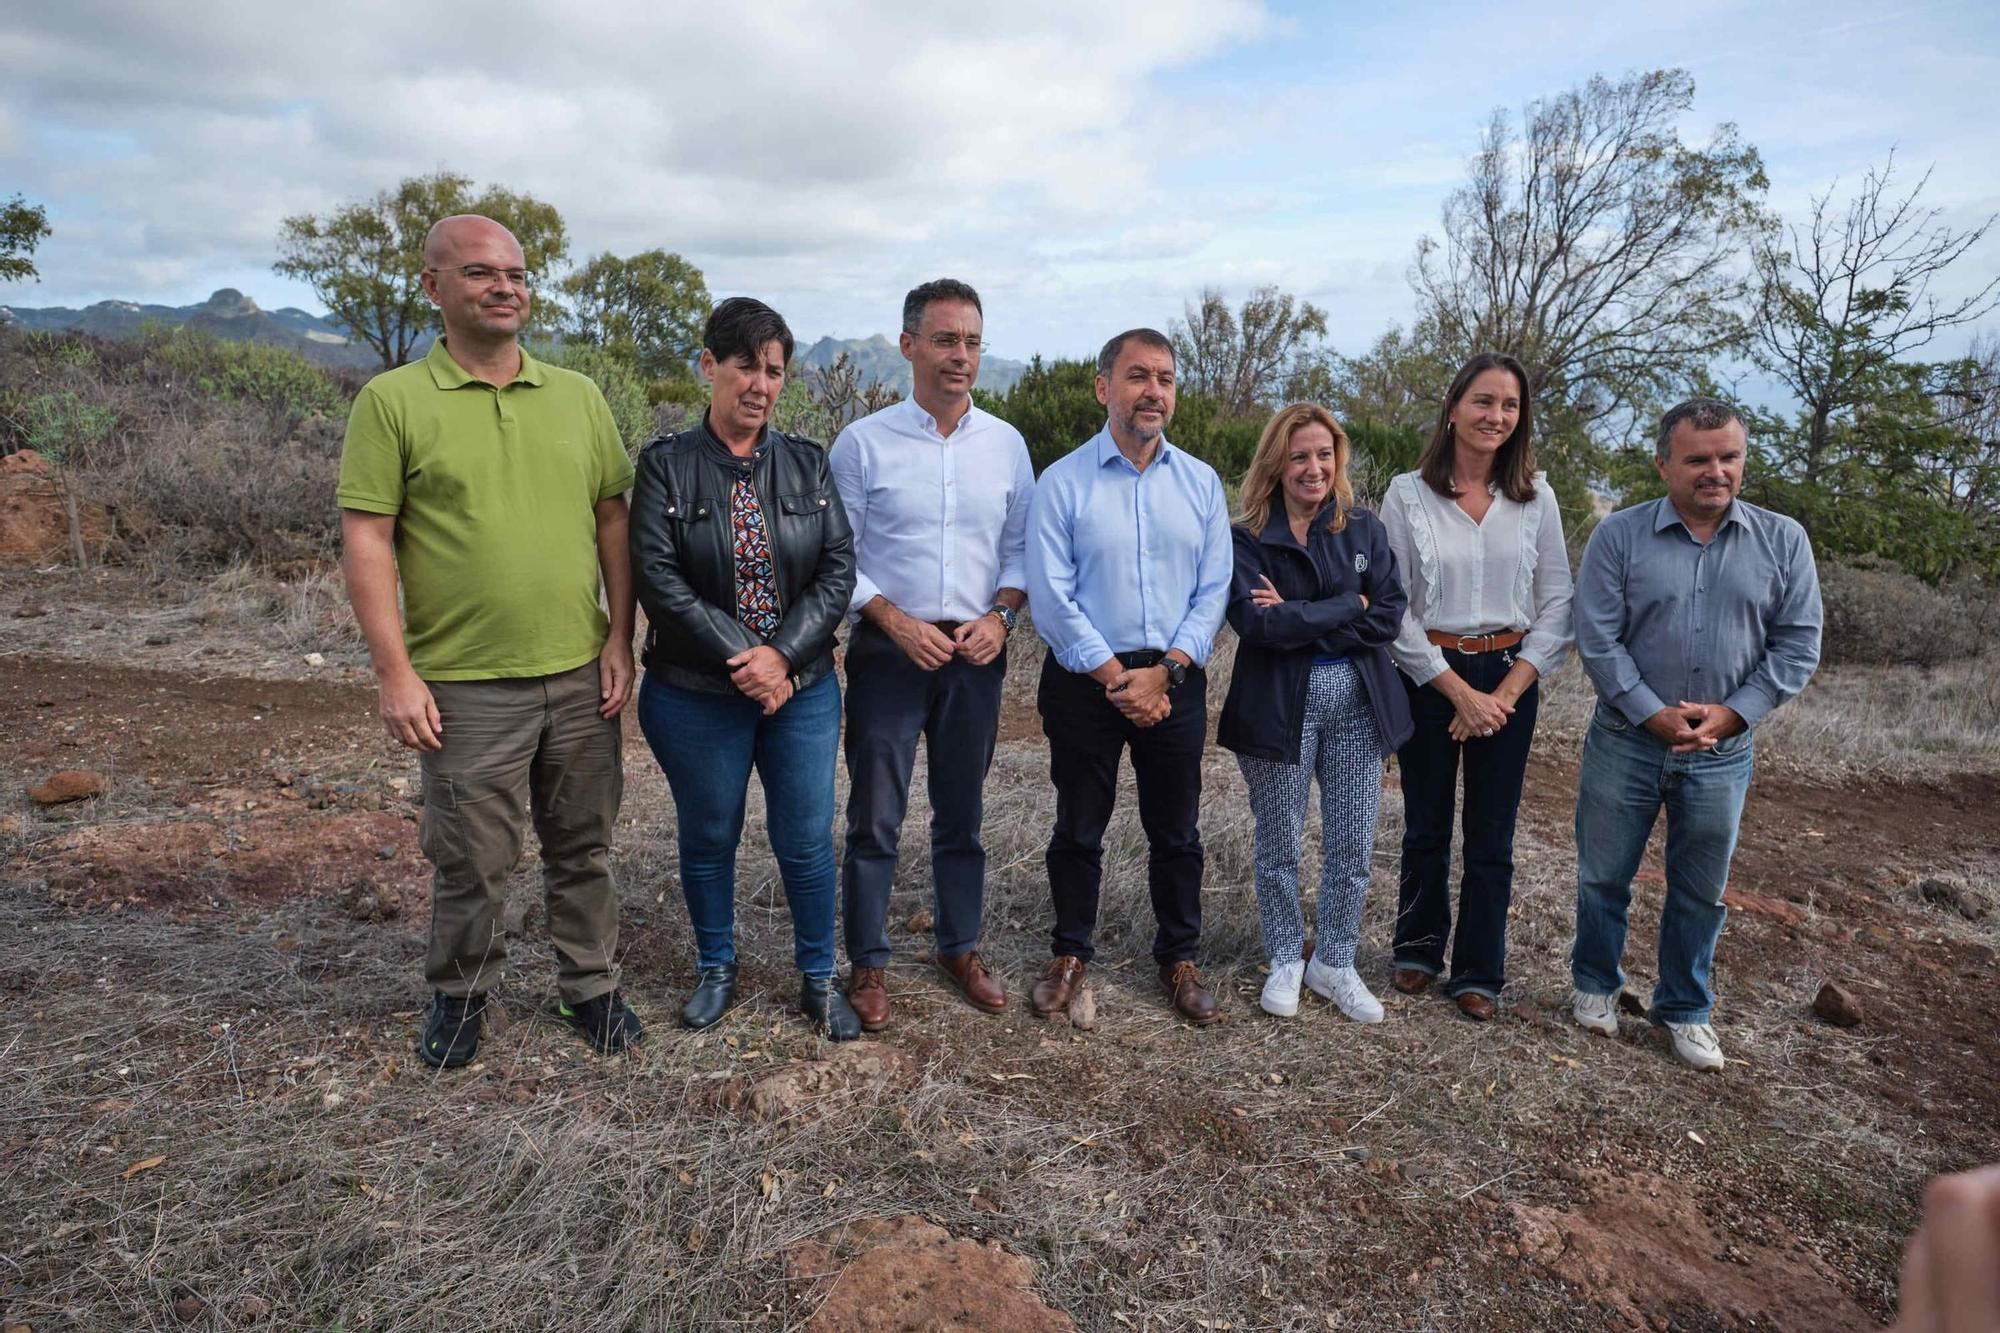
column 1514, row 465
column 940, row 289
column 738, row 328
column 1153, row 338
column 1702, row 414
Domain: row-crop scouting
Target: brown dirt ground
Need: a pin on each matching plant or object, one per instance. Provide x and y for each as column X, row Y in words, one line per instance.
column 234, row 796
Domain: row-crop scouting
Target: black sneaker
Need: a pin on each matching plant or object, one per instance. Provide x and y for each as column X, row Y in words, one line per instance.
column 451, row 1034
column 606, row 1021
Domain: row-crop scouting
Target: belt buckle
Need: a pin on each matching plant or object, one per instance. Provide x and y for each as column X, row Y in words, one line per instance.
column 1474, row 639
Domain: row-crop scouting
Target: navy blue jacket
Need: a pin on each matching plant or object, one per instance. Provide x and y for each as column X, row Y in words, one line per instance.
column 1322, row 583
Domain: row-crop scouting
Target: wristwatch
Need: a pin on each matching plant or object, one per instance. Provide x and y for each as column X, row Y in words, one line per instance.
column 1176, row 671
column 1008, row 615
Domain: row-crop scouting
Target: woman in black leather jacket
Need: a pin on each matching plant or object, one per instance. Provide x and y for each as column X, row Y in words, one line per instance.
column 745, row 564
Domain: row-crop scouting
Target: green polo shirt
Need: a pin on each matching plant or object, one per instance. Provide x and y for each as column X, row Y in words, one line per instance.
column 494, row 492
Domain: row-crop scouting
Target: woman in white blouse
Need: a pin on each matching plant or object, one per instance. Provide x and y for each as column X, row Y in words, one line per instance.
column 1479, row 542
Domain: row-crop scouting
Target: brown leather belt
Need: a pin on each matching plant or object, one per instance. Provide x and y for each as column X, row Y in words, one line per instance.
column 1476, row 643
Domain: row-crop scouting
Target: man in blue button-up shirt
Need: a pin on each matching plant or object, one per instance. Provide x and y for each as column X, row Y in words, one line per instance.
column 1129, row 562
column 937, row 492
column 1696, row 615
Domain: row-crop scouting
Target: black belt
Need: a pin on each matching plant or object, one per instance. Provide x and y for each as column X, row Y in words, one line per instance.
column 1141, row 657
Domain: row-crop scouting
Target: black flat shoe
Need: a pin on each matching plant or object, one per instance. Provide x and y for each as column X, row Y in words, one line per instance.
column 821, row 1001
column 451, row 1034
column 712, row 997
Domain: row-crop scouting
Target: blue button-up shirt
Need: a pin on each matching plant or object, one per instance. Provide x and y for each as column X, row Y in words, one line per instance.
column 1661, row 617
column 1120, row 560
column 940, row 521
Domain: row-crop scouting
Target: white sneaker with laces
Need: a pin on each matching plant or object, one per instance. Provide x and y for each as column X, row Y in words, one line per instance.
column 1696, row 1045
column 1344, row 986
column 1281, row 991
column 1599, row 1013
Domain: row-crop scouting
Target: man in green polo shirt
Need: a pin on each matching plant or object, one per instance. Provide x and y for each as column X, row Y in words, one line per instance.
column 495, row 487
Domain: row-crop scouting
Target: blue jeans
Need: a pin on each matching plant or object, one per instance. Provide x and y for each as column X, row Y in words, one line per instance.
column 706, row 744
column 1628, row 775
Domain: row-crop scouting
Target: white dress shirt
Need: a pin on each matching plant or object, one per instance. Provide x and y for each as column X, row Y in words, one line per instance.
column 940, row 521
column 1510, row 571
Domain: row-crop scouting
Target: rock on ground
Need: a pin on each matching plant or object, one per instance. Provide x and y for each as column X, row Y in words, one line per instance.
column 71, row 784
column 852, row 1069
column 904, row 1275
column 1837, row 1005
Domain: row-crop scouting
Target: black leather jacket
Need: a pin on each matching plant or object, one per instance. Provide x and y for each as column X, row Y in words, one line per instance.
column 684, row 558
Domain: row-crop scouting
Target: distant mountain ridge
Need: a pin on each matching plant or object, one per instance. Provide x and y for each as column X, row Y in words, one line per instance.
column 880, row 360
column 227, row 314
column 231, row 314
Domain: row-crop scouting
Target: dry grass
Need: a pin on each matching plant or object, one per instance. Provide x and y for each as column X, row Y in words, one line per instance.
column 1156, row 1175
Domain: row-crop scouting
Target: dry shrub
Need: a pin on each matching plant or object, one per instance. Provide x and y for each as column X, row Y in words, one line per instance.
column 1877, row 615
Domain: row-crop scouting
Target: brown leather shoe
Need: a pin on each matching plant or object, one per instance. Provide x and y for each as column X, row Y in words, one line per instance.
column 868, row 996
column 1059, row 981
column 1411, row 980
column 1190, row 997
column 982, row 990
column 1479, row 1008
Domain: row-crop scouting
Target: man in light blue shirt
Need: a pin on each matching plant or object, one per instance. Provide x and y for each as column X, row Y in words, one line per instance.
column 1129, row 561
column 1696, row 615
column 937, row 492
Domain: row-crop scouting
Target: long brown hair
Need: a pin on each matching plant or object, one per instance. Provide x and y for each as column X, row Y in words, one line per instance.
column 1261, row 481
column 1514, row 465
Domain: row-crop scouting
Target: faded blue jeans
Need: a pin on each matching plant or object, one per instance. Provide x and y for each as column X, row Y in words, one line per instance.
column 1628, row 775
column 706, row 745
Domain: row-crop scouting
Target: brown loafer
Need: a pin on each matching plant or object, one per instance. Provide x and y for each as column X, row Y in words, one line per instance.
column 1479, row 1008
column 1059, row 981
column 982, row 990
column 1411, row 980
column 1191, row 998
column 868, row 996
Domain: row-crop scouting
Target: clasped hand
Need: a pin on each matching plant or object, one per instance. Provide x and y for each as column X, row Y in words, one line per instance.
column 763, row 675
column 1687, row 727
column 978, row 641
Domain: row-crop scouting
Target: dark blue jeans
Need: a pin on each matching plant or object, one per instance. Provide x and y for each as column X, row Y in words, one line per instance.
column 891, row 703
column 1629, row 775
column 1495, row 768
column 706, row 745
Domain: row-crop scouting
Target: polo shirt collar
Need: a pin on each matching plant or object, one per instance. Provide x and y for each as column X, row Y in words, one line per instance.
column 1669, row 517
column 448, row 374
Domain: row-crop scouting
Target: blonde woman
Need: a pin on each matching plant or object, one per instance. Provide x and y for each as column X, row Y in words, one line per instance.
column 1315, row 601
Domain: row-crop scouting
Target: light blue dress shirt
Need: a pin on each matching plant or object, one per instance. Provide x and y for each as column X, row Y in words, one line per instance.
column 940, row 521
column 1661, row 617
column 1120, row 560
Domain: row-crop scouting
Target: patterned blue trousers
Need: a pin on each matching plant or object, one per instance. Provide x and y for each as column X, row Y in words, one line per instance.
column 1340, row 747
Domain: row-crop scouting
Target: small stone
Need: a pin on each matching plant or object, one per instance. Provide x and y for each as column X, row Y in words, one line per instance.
column 249, row 1309
column 263, row 706
column 919, row 923
column 1356, row 1154
column 315, row 659
column 69, row 784
column 190, row 1308
column 158, row 640
column 1943, row 893
column 1083, row 1009
column 29, row 611
column 386, row 852
column 1837, row 1006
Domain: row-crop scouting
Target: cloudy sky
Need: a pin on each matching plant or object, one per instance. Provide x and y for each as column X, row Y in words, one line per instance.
column 1087, row 166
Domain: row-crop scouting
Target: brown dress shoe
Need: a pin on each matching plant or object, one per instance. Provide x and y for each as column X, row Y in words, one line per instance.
column 868, row 996
column 1190, row 997
column 1411, row 980
column 982, row 990
column 1059, row 981
column 1479, row 1008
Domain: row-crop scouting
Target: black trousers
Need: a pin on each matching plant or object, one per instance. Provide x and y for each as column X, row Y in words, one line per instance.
column 891, row 701
column 1086, row 738
column 1495, row 769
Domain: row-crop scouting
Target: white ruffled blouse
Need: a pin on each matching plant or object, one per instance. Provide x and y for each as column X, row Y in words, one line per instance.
column 1507, row 572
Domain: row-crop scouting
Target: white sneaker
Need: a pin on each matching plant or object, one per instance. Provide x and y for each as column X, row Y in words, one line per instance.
column 1344, row 986
column 1281, row 991
column 1696, row 1045
column 1599, row 1013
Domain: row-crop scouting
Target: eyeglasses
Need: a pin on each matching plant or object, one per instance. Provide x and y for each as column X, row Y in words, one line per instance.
column 484, row 275
column 944, row 342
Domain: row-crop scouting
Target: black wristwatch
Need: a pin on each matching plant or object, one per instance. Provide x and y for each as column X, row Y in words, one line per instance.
column 1176, row 672
column 1008, row 615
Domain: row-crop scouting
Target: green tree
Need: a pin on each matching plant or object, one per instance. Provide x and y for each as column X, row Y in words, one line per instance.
column 1054, row 406
column 1593, row 244
column 1246, row 359
column 363, row 260
column 22, row 228
column 647, row 310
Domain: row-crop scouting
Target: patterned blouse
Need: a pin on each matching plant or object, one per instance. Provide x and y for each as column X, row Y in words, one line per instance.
column 756, row 581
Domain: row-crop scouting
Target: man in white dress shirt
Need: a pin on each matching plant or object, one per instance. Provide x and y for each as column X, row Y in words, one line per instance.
column 937, row 492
